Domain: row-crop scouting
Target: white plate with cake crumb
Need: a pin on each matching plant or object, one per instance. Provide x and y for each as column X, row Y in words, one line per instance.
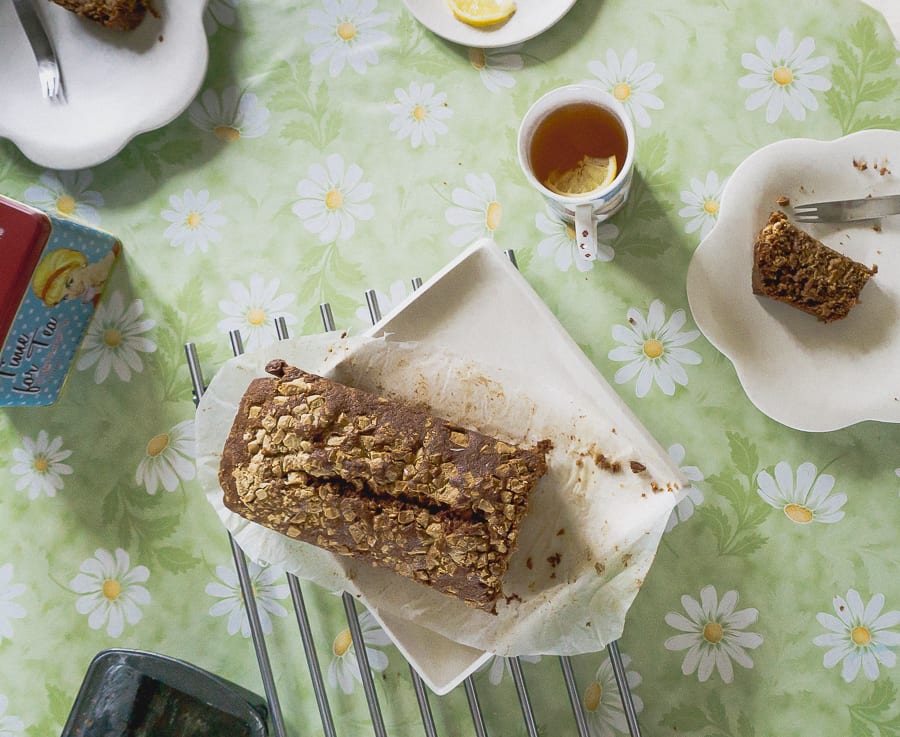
column 117, row 83
column 807, row 374
column 532, row 17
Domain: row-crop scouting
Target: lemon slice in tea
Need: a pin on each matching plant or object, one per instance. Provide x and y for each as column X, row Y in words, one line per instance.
column 592, row 172
column 482, row 12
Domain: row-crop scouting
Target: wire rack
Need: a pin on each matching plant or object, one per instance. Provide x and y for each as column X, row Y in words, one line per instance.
column 309, row 646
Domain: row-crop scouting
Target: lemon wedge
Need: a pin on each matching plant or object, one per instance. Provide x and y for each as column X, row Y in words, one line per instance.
column 482, row 12
column 592, row 172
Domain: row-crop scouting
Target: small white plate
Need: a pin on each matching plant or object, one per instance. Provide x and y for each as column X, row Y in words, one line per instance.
column 117, row 83
column 803, row 373
column 531, row 18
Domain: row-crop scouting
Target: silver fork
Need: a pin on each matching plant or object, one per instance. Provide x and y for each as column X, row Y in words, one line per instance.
column 49, row 75
column 867, row 208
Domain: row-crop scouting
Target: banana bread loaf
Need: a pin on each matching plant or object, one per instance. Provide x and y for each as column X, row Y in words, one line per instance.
column 380, row 480
column 120, row 15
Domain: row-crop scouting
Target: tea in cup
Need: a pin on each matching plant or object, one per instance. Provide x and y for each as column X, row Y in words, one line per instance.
column 576, row 147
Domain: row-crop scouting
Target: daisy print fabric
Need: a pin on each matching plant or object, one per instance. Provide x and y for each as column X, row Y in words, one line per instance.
column 499, row 666
column 40, row 466
column 654, row 349
column 68, row 194
column 333, row 198
column 419, row 114
column 714, row 634
column 231, row 115
column 195, row 221
column 560, row 245
column 346, row 33
column 630, row 83
column 230, row 604
column 110, row 591
column 860, row 636
column 386, row 302
column 477, row 213
column 169, row 459
column 684, row 510
column 782, row 76
column 252, row 310
column 804, row 498
column 702, row 204
column 343, row 670
column 9, row 608
column 602, row 704
column 495, row 67
column 10, row 725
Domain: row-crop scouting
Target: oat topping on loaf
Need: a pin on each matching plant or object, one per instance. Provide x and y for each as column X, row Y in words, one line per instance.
column 791, row 266
column 379, row 479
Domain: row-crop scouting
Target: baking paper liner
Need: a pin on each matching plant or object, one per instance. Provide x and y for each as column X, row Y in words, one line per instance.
column 593, row 523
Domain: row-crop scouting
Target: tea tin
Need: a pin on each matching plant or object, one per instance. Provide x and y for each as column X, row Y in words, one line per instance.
column 52, row 274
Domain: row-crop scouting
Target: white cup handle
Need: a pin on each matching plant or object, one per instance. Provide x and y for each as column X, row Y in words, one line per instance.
column 586, row 231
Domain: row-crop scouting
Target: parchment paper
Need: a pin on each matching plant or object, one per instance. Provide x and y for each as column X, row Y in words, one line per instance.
column 588, row 539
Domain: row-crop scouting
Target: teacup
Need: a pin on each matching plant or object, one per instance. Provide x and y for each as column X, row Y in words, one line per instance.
column 572, row 118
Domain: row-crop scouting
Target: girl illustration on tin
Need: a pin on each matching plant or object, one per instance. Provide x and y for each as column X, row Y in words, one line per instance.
column 66, row 274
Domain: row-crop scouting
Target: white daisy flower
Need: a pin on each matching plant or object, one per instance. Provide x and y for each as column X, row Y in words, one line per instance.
column 10, row 726
column 195, row 219
column 713, row 634
column 494, row 66
column 346, row 32
column 498, row 666
column 654, row 349
column 702, row 204
column 219, row 13
column 343, row 669
column 8, row 608
column 860, row 635
column 231, row 117
column 169, row 459
column 332, row 199
column 562, row 246
column 253, row 310
column 39, row 464
column 808, row 500
column 684, row 510
column 110, row 591
column 231, row 602
column 66, row 193
column 630, row 83
column 386, row 302
column 602, row 704
column 419, row 113
column 781, row 76
column 478, row 212
column 115, row 339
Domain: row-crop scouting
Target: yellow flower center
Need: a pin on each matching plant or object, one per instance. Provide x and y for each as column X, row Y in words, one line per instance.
column 420, row 113
column 111, row 589
column 477, row 58
column 494, row 215
column 334, row 199
column 711, row 206
column 227, row 133
column 622, row 91
column 65, row 204
column 783, row 76
column 570, row 231
column 713, row 632
column 194, row 220
column 342, row 643
column 592, row 695
column 798, row 513
column 41, row 464
column 346, row 31
column 256, row 316
column 860, row 636
column 157, row 444
column 653, row 348
column 112, row 337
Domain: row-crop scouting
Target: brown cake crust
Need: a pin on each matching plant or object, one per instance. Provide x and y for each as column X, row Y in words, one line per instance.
column 791, row 266
column 380, row 480
column 120, row 15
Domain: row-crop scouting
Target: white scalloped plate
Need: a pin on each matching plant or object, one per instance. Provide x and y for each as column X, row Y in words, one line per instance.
column 803, row 373
column 118, row 83
column 531, row 18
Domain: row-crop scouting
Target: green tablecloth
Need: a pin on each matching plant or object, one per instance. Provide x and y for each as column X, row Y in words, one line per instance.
column 321, row 160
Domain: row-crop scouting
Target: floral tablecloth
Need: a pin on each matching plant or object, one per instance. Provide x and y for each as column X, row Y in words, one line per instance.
column 338, row 146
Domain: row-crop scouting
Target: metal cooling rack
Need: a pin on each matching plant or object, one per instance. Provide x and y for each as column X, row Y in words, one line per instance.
column 306, row 636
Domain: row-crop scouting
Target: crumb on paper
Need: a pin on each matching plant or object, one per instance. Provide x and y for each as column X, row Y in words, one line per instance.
column 600, row 568
column 561, row 531
column 637, row 466
column 783, row 201
column 554, row 559
column 877, row 227
column 860, row 165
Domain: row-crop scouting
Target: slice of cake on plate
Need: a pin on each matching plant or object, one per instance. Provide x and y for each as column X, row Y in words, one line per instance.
column 791, row 266
column 120, row 15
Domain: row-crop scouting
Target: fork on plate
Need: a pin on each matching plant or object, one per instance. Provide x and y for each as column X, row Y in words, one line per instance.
column 867, row 208
column 49, row 74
